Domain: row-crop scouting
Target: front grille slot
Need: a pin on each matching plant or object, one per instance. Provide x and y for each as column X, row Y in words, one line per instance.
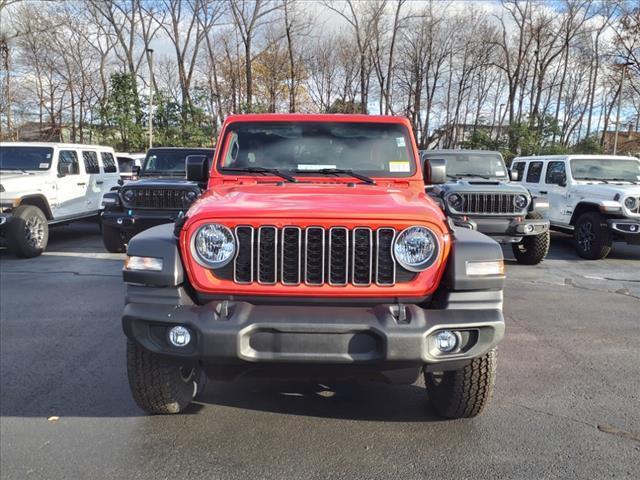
column 157, row 198
column 316, row 256
column 488, row 204
column 267, row 260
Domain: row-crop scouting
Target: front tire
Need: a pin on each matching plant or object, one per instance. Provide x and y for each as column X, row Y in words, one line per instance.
column 463, row 393
column 159, row 386
column 112, row 239
column 533, row 249
column 591, row 236
column 28, row 233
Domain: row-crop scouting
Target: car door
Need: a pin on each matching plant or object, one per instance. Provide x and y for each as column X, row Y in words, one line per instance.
column 93, row 185
column 109, row 173
column 71, row 185
column 557, row 192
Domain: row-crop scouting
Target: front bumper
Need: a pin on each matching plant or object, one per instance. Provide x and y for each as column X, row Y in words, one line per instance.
column 627, row 228
column 135, row 221
column 507, row 230
column 239, row 332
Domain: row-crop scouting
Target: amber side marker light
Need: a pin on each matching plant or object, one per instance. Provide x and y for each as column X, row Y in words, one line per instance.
column 485, row 268
column 149, row 264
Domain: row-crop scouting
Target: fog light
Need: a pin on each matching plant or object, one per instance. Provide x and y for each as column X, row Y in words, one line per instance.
column 446, row 341
column 179, row 336
column 633, row 228
column 528, row 229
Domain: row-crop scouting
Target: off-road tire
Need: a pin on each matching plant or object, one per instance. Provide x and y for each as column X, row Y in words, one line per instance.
column 463, row 393
column 112, row 239
column 591, row 236
column 28, row 231
column 533, row 249
column 159, row 386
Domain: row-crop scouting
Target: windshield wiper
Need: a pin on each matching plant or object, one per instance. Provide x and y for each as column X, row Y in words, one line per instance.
column 635, row 182
column 341, row 171
column 592, row 179
column 486, row 177
column 272, row 171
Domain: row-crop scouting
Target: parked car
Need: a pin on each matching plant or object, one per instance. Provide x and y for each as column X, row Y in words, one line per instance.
column 480, row 196
column 44, row 184
column 130, row 165
column 313, row 253
column 160, row 195
column 596, row 198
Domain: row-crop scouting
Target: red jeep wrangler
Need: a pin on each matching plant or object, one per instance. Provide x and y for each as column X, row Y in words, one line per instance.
column 314, row 253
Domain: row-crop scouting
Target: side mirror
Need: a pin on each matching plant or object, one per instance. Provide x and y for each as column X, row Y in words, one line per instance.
column 513, row 174
column 64, row 169
column 435, row 171
column 197, row 168
column 135, row 171
column 559, row 178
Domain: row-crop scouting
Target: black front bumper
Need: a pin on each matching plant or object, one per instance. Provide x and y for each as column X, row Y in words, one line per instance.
column 135, row 221
column 505, row 230
column 242, row 333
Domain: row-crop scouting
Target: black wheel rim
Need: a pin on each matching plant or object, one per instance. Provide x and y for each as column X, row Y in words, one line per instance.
column 34, row 231
column 586, row 236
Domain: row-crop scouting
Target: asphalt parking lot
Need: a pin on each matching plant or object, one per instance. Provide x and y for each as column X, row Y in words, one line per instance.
column 566, row 405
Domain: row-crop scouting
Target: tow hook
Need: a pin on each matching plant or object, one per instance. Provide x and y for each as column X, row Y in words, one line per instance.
column 125, row 221
column 400, row 313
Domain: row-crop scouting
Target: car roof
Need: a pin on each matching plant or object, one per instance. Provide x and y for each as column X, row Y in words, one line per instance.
column 317, row 117
column 543, row 158
column 182, row 148
column 459, row 150
column 52, row 145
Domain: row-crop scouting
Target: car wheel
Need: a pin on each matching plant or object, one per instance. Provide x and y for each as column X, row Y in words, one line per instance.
column 112, row 239
column 160, row 386
column 463, row 393
column 28, row 232
column 591, row 236
column 533, row 249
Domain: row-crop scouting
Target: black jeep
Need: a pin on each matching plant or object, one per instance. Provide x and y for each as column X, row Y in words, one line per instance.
column 480, row 196
column 161, row 195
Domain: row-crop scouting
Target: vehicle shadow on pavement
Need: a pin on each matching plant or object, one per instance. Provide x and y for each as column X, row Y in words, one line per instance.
column 364, row 401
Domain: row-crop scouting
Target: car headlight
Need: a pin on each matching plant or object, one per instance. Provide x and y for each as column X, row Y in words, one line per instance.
column 415, row 248
column 521, row 201
column 190, row 196
column 128, row 195
column 631, row 203
column 213, row 245
column 455, row 201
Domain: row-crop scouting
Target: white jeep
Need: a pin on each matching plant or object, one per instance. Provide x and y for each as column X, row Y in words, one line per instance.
column 43, row 184
column 594, row 197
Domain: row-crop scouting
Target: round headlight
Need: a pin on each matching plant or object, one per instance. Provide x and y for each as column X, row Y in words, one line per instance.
column 631, row 203
column 455, row 201
column 415, row 248
column 190, row 196
column 213, row 245
column 520, row 201
column 128, row 195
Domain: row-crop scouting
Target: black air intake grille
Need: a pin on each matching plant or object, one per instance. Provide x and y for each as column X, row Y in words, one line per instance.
column 157, row 198
column 488, row 204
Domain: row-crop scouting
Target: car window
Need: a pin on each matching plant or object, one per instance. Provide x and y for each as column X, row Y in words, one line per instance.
column 69, row 157
column 171, row 162
column 90, row 162
column 469, row 164
column 554, row 169
column 125, row 164
column 108, row 162
column 519, row 167
column 25, row 158
column 308, row 147
column 534, row 172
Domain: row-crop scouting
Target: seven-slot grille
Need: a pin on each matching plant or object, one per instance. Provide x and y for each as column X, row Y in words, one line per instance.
column 488, row 203
column 160, row 198
column 316, row 256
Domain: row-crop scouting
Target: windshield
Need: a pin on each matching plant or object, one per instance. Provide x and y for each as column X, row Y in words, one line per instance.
column 170, row 162
column 25, row 158
column 467, row 164
column 604, row 169
column 380, row 150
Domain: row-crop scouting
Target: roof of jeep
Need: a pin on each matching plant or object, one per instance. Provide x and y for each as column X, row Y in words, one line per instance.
column 51, row 144
column 456, row 150
column 543, row 158
column 317, row 117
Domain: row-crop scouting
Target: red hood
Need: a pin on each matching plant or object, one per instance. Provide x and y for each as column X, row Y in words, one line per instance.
column 316, row 200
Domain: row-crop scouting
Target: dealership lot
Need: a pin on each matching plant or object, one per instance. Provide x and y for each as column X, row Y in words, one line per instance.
column 567, row 401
